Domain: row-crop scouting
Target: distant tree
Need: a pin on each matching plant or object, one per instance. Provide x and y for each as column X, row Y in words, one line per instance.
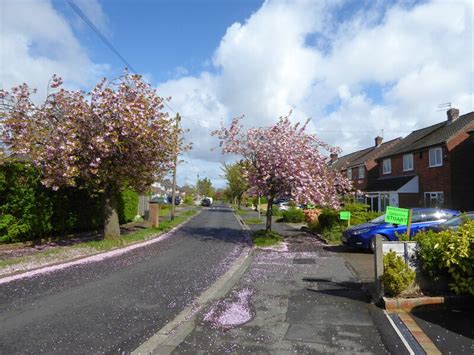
column 236, row 176
column 285, row 161
column 115, row 136
column 204, row 187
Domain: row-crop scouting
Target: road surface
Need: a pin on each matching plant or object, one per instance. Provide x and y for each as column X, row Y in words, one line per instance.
column 114, row 305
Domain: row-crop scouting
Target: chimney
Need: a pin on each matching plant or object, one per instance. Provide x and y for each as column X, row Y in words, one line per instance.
column 378, row 141
column 453, row 114
column 333, row 157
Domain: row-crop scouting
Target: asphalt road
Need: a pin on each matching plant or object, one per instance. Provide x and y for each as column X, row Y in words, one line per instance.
column 114, row 305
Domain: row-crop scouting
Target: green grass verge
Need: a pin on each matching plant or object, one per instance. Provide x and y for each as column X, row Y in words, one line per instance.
column 263, row 238
column 241, row 212
column 107, row 244
column 101, row 245
column 253, row 221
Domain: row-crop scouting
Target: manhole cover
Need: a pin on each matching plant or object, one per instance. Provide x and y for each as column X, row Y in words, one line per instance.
column 304, row 261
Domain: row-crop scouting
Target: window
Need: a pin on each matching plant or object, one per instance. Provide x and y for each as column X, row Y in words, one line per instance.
column 349, row 174
column 436, row 157
column 387, row 166
column 361, row 172
column 434, row 199
column 408, row 162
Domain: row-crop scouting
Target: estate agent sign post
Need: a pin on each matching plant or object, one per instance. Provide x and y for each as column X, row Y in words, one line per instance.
column 345, row 216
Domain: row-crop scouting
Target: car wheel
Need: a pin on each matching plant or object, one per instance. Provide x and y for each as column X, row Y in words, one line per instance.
column 372, row 241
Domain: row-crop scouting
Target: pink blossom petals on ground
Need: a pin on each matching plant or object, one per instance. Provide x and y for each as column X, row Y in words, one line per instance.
column 86, row 260
column 231, row 312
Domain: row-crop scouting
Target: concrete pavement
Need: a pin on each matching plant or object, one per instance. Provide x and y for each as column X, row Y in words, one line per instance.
column 293, row 301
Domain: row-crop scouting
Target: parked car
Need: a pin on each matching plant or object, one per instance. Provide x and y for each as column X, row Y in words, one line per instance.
column 283, row 206
column 453, row 223
column 206, row 202
column 177, row 200
column 363, row 235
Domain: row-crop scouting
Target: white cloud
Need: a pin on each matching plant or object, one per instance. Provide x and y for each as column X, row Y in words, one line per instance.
column 93, row 10
column 418, row 56
column 36, row 42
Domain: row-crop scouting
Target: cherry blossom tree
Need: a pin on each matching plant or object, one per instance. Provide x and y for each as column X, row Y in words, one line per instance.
column 285, row 161
column 115, row 136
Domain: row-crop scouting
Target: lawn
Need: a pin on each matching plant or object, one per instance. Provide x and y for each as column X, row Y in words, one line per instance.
column 253, row 221
column 263, row 238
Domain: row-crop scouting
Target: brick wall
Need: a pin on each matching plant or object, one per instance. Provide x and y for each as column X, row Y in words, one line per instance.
column 431, row 179
column 462, row 172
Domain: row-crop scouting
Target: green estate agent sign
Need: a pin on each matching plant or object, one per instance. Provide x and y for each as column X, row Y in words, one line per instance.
column 397, row 215
column 345, row 215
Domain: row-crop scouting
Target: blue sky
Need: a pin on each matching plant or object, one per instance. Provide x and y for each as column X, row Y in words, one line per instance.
column 355, row 67
column 163, row 38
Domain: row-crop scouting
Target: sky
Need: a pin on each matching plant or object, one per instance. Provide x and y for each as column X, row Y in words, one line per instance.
column 357, row 68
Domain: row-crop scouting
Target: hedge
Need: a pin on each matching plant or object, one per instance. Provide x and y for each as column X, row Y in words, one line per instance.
column 451, row 253
column 29, row 211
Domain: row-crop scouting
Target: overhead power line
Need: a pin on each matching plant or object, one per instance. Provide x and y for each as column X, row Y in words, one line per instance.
column 104, row 39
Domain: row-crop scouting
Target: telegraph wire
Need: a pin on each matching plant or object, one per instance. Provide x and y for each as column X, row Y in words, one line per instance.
column 104, row 39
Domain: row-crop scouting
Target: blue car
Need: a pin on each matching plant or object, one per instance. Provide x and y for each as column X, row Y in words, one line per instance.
column 363, row 235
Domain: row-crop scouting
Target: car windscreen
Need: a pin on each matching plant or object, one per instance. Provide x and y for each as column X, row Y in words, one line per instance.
column 436, row 215
column 378, row 220
column 456, row 221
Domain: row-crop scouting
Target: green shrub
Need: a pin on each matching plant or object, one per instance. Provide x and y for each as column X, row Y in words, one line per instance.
column 127, row 205
column 263, row 200
column 333, row 235
column 328, row 219
column 276, row 212
column 30, row 211
column 360, row 213
column 293, row 215
column 397, row 276
column 25, row 210
column 458, row 258
column 449, row 253
column 188, row 200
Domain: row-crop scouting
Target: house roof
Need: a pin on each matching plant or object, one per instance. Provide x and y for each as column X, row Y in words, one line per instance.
column 344, row 161
column 374, row 152
column 388, row 183
column 432, row 135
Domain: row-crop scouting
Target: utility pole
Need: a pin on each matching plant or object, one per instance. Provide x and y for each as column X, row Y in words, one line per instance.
column 173, row 191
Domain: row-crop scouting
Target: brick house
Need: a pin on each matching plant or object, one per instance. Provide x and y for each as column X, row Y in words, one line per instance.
column 361, row 166
column 431, row 167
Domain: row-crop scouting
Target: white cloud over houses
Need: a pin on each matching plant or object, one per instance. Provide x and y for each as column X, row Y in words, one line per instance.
column 382, row 68
column 36, row 41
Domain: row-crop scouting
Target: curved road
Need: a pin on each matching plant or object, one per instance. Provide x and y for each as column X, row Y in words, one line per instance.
column 113, row 306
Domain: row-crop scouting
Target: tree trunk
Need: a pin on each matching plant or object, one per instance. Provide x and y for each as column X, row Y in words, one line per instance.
column 239, row 202
column 268, row 226
column 111, row 220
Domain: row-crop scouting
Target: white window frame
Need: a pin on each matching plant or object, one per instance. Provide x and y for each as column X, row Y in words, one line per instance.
column 436, row 163
column 349, row 173
column 411, row 166
column 388, row 166
column 361, row 169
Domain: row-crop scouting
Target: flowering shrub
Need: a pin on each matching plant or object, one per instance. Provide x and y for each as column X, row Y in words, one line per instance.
column 311, row 216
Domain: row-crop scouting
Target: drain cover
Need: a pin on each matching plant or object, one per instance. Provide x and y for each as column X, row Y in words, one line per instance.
column 304, row 261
